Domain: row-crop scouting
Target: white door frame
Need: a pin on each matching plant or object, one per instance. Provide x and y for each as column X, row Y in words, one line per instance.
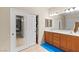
column 13, row 13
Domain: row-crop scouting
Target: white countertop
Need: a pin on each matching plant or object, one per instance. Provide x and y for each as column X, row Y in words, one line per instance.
column 68, row 32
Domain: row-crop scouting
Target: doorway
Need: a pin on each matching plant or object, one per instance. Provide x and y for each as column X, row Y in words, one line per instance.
column 19, row 31
column 37, row 29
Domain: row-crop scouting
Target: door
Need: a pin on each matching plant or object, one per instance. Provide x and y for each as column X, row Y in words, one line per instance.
column 31, row 30
column 14, row 15
column 12, row 31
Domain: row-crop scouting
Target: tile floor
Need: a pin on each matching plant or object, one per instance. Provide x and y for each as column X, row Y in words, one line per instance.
column 36, row 48
column 19, row 42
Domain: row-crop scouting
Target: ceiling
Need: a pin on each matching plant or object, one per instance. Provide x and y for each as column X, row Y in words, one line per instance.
column 57, row 9
column 54, row 9
column 50, row 10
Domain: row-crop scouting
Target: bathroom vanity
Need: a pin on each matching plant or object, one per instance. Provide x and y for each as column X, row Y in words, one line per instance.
column 63, row 39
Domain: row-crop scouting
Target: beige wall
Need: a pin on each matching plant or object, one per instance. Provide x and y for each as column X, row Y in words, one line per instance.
column 4, row 29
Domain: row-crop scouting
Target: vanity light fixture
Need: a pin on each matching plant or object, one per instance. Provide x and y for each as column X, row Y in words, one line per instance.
column 67, row 10
column 71, row 9
column 77, row 8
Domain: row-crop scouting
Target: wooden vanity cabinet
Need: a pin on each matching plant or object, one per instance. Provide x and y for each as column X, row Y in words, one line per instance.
column 65, row 42
column 68, row 43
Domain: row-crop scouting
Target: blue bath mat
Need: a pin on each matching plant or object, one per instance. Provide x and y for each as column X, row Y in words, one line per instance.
column 51, row 48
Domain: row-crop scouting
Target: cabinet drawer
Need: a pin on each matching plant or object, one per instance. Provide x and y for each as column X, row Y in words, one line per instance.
column 56, row 43
column 55, row 34
column 55, row 39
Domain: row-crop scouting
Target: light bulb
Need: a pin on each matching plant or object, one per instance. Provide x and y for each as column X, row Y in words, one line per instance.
column 67, row 11
column 55, row 14
column 71, row 9
column 51, row 14
column 77, row 8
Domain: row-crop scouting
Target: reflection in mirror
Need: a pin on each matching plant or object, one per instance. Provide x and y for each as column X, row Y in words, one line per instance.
column 48, row 23
column 76, row 27
column 19, row 31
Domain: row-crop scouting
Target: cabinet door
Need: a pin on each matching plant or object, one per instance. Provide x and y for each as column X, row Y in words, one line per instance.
column 47, row 35
column 63, row 44
column 56, row 40
column 72, row 43
column 69, row 43
column 51, row 38
column 75, row 46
